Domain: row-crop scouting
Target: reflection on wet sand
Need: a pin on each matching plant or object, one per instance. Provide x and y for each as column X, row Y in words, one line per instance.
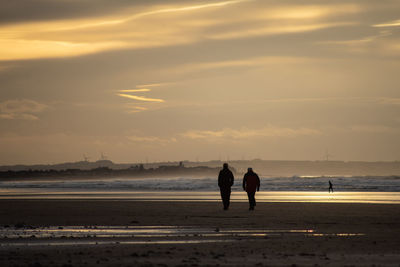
column 105, row 235
column 87, row 242
column 267, row 196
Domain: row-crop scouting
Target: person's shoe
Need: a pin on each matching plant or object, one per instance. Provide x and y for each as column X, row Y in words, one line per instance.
column 225, row 208
column 251, row 208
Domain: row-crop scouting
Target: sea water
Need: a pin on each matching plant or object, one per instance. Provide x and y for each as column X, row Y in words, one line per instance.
column 353, row 189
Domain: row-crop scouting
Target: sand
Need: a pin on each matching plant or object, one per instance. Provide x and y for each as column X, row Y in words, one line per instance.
column 337, row 234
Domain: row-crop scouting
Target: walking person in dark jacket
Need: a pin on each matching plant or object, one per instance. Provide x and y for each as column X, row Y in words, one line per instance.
column 330, row 187
column 251, row 183
column 225, row 182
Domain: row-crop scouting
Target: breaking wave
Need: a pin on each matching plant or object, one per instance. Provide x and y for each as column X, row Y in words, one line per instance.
column 295, row 183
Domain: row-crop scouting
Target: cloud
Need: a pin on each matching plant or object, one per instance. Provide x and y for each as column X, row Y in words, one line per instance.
column 240, row 63
column 383, row 42
column 277, row 30
column 150, row 13
column 186, row 8
column 152, row 85
column 142, row 98
column 376, row 129
column 310, row 11
column 362, row 41
column 268, row 20
column 65, row 38
column 32, row 49
column 21, row 109
column 350, row 100
column 151, row 139
column 389, row 100
column 134, row 90
column 394, row 23
column 228, row 134
column 133, row 108
column 185, row 24
column 27, row 10
column 136, row 109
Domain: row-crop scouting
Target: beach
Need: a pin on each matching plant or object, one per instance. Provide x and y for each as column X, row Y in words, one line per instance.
column 178, row 233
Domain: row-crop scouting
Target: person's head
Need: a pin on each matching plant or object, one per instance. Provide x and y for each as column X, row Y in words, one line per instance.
column 225, row 165
column 249, row 169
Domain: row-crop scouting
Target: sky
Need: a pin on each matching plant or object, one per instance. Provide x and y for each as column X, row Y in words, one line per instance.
column 199, row 80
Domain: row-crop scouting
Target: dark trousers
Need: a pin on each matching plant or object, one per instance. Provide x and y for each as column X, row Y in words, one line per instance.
column 226, row 196
column 252, row 200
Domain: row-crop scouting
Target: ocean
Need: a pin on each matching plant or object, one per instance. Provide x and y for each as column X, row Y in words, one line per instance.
column 357, row 189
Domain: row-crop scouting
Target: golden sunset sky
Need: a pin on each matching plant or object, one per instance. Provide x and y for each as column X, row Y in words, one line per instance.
column 199, row 80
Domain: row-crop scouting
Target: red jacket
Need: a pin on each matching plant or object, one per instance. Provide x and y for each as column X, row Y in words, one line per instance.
column 251, row 182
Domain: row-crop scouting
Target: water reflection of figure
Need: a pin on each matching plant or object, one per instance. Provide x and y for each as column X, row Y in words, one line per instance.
column 225, row 182
column 251, row 183
column 330, row 187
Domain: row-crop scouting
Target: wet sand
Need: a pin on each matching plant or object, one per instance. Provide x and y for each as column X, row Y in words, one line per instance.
column 236, row 196
column 197, row 234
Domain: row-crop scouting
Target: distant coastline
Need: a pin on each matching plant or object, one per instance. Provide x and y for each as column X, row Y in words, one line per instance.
column 104, row 172
column 265, row 168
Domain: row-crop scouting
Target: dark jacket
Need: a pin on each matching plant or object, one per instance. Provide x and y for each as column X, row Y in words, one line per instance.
column 251, row 182
column 225, row 178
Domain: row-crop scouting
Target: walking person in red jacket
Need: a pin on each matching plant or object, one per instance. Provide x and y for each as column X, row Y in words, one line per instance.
column 251, row 183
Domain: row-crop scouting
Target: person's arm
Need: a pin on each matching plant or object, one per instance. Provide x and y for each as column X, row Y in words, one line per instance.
column 219, row 179
column 244, row 182
column 232, row 178
column 258, row 183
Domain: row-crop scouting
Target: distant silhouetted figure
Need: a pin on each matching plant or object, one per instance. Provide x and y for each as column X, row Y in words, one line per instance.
column 251, row 183
column 330, row 187
column 225, row 182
